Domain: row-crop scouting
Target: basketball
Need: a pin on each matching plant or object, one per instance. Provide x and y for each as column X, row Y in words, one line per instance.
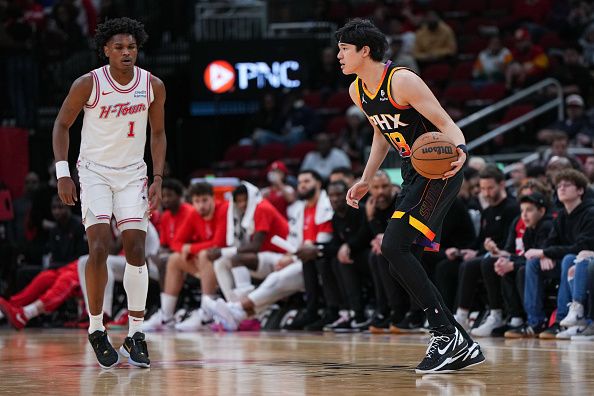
column 433, row 154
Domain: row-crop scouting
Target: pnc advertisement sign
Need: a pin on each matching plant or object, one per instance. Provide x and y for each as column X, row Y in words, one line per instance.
column 220, row 76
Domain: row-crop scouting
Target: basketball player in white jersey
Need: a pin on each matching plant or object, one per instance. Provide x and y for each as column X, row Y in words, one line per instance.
column 117, row 100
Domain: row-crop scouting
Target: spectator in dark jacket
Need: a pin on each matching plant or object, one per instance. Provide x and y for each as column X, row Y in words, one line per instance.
column 573, row 231
column 348, row 251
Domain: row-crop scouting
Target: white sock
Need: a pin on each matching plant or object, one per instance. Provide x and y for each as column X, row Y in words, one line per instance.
column 168, row 303
column 136, row 285
column 1, row 315
column 496, row 313
column 462, row 313
column 516, row 322
column 31, row 311
column 134, row 325
column 96, row 323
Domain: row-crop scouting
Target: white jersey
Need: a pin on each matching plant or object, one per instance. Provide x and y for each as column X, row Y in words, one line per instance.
column 114, row 125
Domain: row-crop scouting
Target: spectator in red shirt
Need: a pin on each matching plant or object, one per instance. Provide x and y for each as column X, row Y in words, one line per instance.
column 255, row 255
column 175, row 214
column 310, row 228
column 529, row 61
column 279, row 193
column 204, row 228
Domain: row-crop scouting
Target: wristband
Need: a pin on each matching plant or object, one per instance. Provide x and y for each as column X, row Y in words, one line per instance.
column 62, row 169
column 157, row 175
column 463, row 148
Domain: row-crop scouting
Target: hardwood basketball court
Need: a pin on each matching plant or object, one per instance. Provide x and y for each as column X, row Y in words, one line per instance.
column 272, row 363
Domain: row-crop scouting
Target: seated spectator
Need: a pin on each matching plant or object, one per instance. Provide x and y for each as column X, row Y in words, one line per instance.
column 205, row 228
column 176, row 212
column 491, row 62
column 529, row 62
column 392, row 299
column 589, row 169
column 309, row 222
column 300, row 123
column 280, row 193
column 559, row 146
column 517, row 175
column 325, row 157
column 356, row 136
column 588, row 256
column 343, row 174
column 269, row 118
column 576, row 126
column 499, row 271
column 435, row 40
column 573, row 289
column 251, row 253
column 573, row 231
column 400, row 57
column 348, row 253
column 67, row 242
column 573, row 75
column 495, row 222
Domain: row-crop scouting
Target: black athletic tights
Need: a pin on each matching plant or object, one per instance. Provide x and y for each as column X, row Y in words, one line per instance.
column 405, row 266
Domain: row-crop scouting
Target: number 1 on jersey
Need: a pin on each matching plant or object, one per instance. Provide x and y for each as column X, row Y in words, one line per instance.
column 131, row 130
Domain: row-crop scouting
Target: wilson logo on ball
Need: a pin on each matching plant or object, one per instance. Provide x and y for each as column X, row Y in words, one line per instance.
column 438, row 150
column 219, row 76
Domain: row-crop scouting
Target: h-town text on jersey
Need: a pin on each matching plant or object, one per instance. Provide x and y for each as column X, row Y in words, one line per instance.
column 121, row 109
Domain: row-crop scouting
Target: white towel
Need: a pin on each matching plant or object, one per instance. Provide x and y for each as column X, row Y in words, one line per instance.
column 247, row 221
column 296, row 211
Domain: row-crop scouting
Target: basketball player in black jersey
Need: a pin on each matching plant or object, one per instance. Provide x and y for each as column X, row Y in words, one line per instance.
column 401, row 107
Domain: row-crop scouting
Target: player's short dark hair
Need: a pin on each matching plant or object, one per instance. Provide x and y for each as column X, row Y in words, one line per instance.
column 362, row 32
column 240, row 190
column 174, row 185
column 201, row 188
column 338, row 183
column 344, row 170
column 111, row 27
column 492, row 172
column 573, row 176
column 313, row 174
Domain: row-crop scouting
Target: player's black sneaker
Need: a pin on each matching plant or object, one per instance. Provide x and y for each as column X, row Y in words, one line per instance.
column 468, row 357
column 135, row 350
column 441, row 351
column 106, row 354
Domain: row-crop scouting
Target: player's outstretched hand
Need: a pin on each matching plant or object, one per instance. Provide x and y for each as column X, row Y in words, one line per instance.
column 155, row 195
column 356, row 192
column 67, row 190
column 456, row 165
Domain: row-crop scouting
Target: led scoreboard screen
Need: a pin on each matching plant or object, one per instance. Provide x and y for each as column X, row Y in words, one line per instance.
column 230, row 77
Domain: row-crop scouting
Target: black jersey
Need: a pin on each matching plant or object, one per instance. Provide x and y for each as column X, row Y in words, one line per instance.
column 400, row 125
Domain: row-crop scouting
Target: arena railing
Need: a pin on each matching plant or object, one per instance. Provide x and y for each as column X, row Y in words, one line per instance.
column 557, row 102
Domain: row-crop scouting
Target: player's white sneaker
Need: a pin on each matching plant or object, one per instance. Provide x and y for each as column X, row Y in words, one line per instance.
column 571, row 331
column 229, row 315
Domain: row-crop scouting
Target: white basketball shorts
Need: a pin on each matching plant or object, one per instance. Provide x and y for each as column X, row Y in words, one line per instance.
column 122, row 192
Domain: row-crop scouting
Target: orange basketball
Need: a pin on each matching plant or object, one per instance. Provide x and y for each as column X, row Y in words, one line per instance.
column 432, row 154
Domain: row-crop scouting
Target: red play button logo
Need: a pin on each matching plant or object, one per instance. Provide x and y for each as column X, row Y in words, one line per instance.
column 219, row 76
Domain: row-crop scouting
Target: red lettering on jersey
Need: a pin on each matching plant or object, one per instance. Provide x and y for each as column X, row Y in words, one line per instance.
column 104, row 111
column 121, row 109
